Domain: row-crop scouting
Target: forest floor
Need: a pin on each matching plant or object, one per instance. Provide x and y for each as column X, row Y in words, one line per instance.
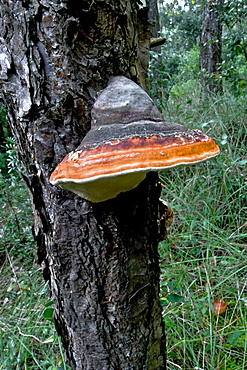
column 204, row 260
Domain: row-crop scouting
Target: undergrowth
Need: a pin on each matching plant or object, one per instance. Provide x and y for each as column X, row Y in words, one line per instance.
column 204, row 257
column 27, row 336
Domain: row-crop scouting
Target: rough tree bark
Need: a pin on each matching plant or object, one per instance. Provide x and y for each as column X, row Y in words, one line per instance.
column 210, row 47
column 156, row 64
column 153, row 17
column 101, row 259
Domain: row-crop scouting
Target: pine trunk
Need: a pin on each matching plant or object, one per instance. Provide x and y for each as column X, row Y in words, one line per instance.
column 101, row 259
column 210, row 48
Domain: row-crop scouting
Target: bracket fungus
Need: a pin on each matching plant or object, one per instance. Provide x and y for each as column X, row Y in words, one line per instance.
column 128, row 138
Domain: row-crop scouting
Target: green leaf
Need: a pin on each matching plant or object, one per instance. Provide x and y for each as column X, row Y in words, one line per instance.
column 164, row 302
column 48, row 304
column 48, row 313
column 175, row 298
column 242, row 162
column 233, row 338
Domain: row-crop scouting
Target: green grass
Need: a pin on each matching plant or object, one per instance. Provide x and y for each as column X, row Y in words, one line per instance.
column 27, row 339
column 204, row 256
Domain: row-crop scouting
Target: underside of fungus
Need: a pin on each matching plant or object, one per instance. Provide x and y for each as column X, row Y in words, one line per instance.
column 128, row 138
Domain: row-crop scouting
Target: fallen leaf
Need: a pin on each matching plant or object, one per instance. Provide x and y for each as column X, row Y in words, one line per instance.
column 219, row 306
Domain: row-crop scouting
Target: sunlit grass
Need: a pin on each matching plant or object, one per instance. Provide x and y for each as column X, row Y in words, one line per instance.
column 204, row 257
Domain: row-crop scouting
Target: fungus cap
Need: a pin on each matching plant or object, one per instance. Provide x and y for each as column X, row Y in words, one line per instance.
column 128, row 139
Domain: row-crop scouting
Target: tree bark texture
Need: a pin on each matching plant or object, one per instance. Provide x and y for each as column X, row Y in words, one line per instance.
column 153, row 17
column 210, row 48
column 101, row 259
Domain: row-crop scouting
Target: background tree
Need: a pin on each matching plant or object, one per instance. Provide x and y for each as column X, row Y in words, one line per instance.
column 101, row 260
column 156, row 42
column 210, row 46
column 181, row 25
column 153, row 17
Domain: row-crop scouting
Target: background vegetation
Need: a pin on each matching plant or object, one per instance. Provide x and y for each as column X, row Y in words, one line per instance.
column 27, row 334
column 204, row 257
column 203, row 260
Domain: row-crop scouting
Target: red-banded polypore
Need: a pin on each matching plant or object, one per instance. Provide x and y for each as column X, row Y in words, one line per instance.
column 128, row 138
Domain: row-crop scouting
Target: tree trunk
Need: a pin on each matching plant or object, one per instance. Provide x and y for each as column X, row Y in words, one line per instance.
column 153, row 17
column 101, row 259
column 210, row 49
column 156, row 61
